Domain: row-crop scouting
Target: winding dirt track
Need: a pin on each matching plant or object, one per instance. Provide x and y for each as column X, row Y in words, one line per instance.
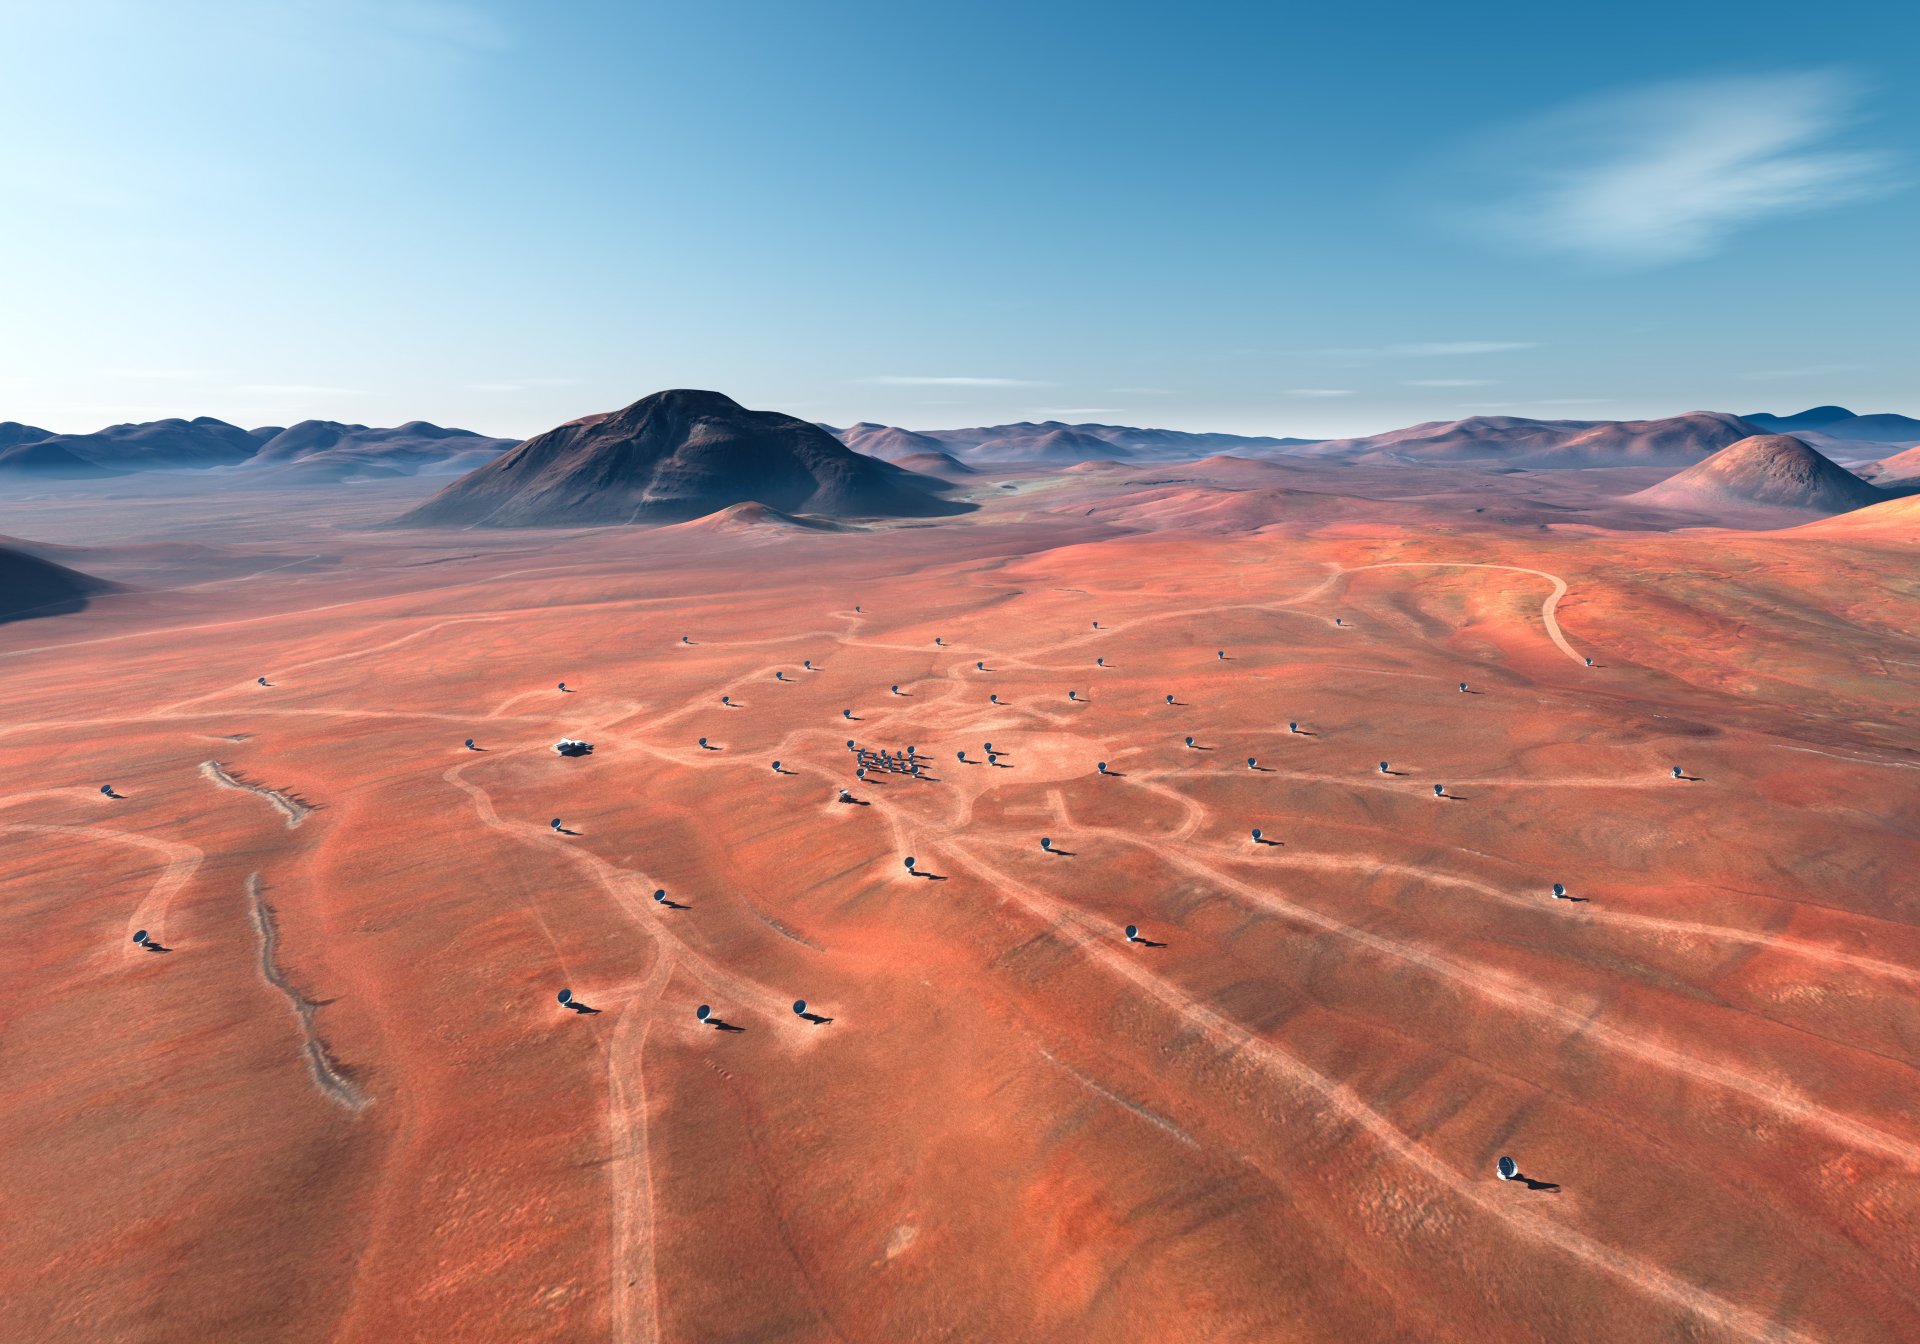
column 1547, row 608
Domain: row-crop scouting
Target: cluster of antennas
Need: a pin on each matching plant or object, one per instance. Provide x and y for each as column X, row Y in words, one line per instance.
column 908, row 762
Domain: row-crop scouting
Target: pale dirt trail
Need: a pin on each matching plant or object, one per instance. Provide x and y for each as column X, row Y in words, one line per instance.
column 1006, row 661
column 1134, row 1108
column 183, row 860
column 1588, row 911
column 1498, row 987
column 189, row 716
column 1852, row 760
column 631, row 892
column 1314, row 1090
column 635, row 1288
column 294, row 669
column 1547, row 608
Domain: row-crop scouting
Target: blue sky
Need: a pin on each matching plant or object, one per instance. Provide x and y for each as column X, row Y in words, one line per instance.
column 1275, row 218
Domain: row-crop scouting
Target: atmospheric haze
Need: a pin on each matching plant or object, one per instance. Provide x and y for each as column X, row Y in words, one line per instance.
column 1023, row 673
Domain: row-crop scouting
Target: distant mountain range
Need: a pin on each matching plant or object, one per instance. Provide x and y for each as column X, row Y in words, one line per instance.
column 1840, row 423
column 1052, row 441
column 1672, row 441
column 321, row 450
column 326, row 451
column 675, row 456
column 1675, row 441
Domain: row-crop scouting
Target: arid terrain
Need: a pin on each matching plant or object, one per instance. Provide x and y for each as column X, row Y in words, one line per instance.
column 345, row 1104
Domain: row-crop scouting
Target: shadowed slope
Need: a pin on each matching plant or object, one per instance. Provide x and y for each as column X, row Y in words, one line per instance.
column 30, row 586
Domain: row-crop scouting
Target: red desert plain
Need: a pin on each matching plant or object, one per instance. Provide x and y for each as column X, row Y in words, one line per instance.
column 347, row 1104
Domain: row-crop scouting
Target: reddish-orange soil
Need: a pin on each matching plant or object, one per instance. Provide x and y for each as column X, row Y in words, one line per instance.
column 346, row 1105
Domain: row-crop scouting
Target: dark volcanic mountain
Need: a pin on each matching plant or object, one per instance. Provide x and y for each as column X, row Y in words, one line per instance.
column 30, row 586
column 673, row 456
column 1772, row 471
column 1840, row 423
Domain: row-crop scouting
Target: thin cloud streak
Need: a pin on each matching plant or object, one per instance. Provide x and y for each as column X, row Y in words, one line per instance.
column 1669, row 173
column 1540, row 401
column 1415, row 350
column 917, row 380
column 1810, row 371
column 295, row 390
column 1458, row 347
column 524, row 384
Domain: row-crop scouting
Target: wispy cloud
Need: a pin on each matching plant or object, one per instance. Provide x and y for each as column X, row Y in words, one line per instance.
column 1807, row 371
column 523, row 384
column 918, row 380
column 1417, row 349
column 1665, row 174
column 1458, row 347
column 165, row 375
column 1319, row 391
column 1451, row 382
column 1142, row 391
column 295, row 390
column 1079, row 410
column 1538, row 401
